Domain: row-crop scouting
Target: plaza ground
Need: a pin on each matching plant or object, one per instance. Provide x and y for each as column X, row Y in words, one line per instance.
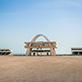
column 41, row 69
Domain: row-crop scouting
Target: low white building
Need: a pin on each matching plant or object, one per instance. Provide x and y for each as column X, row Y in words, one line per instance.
column 76, row 51
column 5, row 51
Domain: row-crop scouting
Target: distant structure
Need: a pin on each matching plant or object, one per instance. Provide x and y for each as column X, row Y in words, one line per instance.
column 5, row 51
column 37, row 48
column 76, row 51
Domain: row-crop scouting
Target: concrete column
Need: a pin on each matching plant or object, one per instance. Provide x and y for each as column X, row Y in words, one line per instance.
column 5, row 52
column 30, row 54
column 47, row 54
column 52, row 52
column 1, row 52
column 33, row 54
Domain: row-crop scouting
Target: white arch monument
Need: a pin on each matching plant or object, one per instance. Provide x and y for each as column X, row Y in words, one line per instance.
column 40, row 45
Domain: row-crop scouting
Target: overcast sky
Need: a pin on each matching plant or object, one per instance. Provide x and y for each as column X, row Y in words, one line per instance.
column 59, row 20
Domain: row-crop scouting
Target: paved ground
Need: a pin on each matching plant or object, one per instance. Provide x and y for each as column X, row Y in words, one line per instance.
column 41, row 69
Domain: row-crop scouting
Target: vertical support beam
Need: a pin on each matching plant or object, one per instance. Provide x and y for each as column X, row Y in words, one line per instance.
column 5, row 52
column 30, row 51
column 33, row 54
column 47, row 54
column 52, row 52
column 78, row 52
column 30, row 54
column 71, row 51
column 1, row 52
column 10, row 52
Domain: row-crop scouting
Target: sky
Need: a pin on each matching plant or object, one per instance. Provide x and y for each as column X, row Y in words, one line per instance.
column 59, row 20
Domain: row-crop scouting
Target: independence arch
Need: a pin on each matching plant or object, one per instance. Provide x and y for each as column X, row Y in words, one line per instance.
column 34, row 47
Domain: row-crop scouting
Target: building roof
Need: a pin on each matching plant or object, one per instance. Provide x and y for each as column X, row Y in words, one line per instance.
column 76, row 48
column 5, row 49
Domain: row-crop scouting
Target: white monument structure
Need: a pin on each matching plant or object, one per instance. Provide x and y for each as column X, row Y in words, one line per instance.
column 38, row 48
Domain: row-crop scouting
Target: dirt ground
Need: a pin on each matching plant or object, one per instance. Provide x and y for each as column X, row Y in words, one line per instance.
column 41, row 69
